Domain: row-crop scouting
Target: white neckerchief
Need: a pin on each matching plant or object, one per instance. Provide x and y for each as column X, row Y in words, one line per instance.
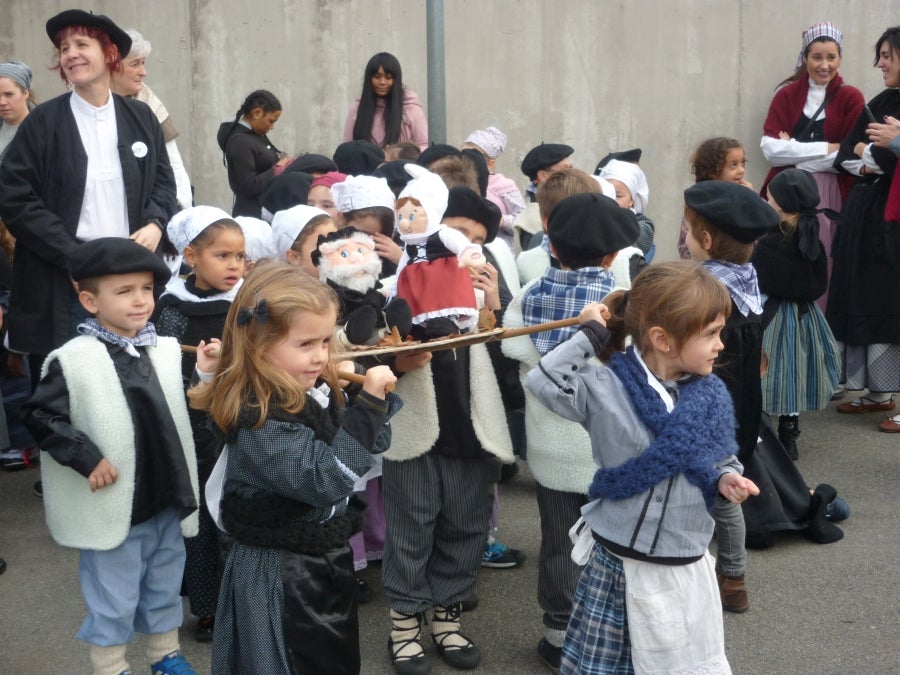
column 177, row 287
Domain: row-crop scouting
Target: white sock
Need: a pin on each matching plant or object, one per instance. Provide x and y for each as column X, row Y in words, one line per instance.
column 160, row 645
column 109, row 660
column 555, row 637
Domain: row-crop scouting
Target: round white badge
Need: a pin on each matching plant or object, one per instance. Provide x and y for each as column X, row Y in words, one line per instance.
column 139, row 149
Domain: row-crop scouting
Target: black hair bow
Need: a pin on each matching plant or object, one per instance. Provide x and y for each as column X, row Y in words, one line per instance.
column 260, row 312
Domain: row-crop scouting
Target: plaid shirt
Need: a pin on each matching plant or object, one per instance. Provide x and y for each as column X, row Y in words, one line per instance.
column 146, row 336
column 562, row 294
column 741, row 282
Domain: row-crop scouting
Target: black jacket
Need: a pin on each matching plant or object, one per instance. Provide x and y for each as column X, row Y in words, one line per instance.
column 251, row 160
column 42, row 181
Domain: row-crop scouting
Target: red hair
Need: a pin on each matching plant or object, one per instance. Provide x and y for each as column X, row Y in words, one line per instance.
column 110, row 51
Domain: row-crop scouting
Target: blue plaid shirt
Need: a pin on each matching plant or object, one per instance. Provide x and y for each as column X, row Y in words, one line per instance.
column 741, row 282
column 146, row 336
column 562, row 294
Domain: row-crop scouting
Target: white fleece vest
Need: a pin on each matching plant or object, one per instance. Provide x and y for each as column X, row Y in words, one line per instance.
column 101, row 520
column 415, row 428
column 559, row 451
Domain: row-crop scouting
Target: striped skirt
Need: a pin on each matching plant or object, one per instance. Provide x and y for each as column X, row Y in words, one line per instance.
column 804, row 360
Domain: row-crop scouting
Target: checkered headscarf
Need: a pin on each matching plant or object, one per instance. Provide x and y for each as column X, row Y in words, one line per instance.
column 824, row 29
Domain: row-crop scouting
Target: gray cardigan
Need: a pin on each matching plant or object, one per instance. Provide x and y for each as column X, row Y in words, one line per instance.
column 670, row 521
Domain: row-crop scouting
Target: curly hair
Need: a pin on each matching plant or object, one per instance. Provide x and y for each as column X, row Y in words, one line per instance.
column 708, row 159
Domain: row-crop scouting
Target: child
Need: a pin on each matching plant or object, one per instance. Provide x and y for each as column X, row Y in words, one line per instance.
column 192, row 310
column 586, row 232
column 632, row 192
column 538, row 164
column 296, row 232
column 320, row 196
column 367, row 203
column 258, row 242
column 110, row 407
column 288, row 597
column 717, row 158
column 662, row 433
column 804, row 361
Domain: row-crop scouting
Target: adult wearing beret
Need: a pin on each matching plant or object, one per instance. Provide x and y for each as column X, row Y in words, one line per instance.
column 537, row 165
column 84, row 165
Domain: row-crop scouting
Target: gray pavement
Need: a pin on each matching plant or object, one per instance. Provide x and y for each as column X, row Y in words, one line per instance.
column 814, row 609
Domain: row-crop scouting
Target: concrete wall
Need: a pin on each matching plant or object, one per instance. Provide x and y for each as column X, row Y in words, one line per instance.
column 599, row 75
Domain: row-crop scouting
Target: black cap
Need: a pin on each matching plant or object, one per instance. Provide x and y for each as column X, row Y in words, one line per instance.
column 736, row 210
column 589, row 225
column 78, row 17
column 285, row 191
column 436, row 151
column 632, row 156
column 394, row 173
column 116, row 255
column 358, row 158
column 464, row 202
column 311, row 163
column 795, row 191
column 544, row 155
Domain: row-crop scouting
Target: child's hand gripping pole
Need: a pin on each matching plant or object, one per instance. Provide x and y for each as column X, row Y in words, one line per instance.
column 377, row 381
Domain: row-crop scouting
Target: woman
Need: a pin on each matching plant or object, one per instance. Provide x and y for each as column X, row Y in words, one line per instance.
column 863, row 298
column 16, row 100
column 129, row 81
column 83, row 165
column 386, row 112
column 249, row 155
column 811, row 113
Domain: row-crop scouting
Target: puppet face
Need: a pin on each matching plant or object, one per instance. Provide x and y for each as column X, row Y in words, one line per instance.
column 352, row 252
column 351, row 263
column 412, row 219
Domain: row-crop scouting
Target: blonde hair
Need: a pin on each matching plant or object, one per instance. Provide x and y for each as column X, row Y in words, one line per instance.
column 680, row 297
column 244, row 378
column 561, row 184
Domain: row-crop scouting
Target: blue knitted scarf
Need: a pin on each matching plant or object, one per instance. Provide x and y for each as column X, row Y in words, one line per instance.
column 692, row 439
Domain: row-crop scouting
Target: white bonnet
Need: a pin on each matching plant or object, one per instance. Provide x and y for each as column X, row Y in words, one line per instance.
column 430, row 190
column 289, row 223
column 362, row 192
column 187, row 224
column 633, row 178
column 491, row 140
column 258, row 242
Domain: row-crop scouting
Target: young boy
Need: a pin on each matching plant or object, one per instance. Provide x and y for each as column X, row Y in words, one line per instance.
column 538, row 164
column 586, row 231
column 119, row 469
column 724, row 219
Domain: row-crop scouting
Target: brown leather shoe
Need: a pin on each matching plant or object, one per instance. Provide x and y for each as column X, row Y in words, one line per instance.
column 734, row 593
column 890, row 426
column 864, row 404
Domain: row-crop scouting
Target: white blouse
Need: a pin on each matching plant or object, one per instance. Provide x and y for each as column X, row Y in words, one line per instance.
column 807, row 156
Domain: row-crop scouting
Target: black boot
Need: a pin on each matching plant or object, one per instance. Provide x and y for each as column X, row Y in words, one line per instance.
column 788, row 430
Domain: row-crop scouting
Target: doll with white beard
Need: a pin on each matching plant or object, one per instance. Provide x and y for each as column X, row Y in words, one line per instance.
column 432, row 274
column 348, row 263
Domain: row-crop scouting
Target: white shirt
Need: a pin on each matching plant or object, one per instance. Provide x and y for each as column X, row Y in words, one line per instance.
column 104, row 212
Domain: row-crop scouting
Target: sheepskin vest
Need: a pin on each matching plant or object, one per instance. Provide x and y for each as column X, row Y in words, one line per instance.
column 415, row 428
column 101, row 520
column 559, row 451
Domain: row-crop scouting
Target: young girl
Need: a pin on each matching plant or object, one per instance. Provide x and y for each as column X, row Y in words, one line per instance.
column 717, row 158
column 295, row 233
column 804, row 361
column 247, row 152
column 288, row 598
column 194, row 310
column 386, row 112
column 662, row 433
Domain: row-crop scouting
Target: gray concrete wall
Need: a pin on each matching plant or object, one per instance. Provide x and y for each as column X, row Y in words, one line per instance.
column 599, row 75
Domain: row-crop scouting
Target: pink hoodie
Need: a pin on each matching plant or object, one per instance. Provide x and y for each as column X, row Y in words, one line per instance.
column 413, row 128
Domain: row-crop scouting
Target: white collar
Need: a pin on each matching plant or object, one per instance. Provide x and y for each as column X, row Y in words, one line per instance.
column 80, row 105
column 654, row 382
column 177, row 287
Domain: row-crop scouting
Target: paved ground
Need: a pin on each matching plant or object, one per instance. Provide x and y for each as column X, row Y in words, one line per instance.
column 814, row 609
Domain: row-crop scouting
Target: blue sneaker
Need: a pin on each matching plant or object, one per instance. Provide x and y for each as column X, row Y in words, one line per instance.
column 172, row 664
column 837, row 510
column 500, row 556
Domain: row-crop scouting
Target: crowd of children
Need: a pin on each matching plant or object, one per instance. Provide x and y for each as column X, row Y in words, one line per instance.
column 198, row 435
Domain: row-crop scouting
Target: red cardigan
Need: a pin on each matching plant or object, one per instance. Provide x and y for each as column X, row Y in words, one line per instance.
column 841, row 114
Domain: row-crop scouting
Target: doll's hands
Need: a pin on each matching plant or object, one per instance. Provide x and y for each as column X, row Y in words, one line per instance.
column 596, row 311
column 379, row 380
column 473, row 259
column 407, row 361
column 387, row 248
column 486, row 280
column 103, row 474
column 208, row 355
column 735, row 488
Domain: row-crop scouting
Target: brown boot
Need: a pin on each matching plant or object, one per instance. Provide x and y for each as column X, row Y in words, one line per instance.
column 734, row 593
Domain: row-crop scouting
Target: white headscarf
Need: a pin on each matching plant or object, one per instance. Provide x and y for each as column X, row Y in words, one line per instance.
column 187, row 224
column 633, row 178
column 289, row 223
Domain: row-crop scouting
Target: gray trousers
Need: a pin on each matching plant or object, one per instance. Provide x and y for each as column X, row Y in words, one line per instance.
column 731, row 534
column 437, row 510
column 557, row 574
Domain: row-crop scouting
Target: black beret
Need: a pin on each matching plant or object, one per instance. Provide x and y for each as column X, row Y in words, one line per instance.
column 481, row 168
column 795, row 191
column 589, row 225
column 632, row 156
column 78, row 17
column 464, row 202
column 358, row 158
column 285, row 191
column 311, row 163
column 733, row 208
column 394, row 173
column 436, row 151
column 116, row 255
column 544, row 155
